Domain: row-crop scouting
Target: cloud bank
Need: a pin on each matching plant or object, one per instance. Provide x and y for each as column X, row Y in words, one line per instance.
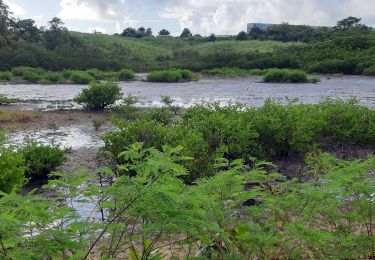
column 214, row 16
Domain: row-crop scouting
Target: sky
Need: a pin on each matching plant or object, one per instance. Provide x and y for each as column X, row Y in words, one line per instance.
column 203, row 17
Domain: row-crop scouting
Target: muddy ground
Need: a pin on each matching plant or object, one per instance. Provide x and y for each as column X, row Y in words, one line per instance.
column 75, row 119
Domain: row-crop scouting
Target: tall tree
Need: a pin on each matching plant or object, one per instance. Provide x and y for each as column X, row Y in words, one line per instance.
column 26, row 30
column 348, row 23
column 141, row 32
column 149, row 32
column 5, row 20
column 56, row 34
column 186, row 33
column 129, row 32
column 241, row 36
column 164, row 32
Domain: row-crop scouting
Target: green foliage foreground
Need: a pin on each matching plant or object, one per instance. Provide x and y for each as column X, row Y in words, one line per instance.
column 154, row 214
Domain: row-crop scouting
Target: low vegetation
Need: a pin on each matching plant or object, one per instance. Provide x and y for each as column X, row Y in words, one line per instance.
column 41, row 76
column 233, row 72
column 99, row 95
column 126, row 75
column 272, row 131
column 9, row 116
column 171, row 75
column 6, row 76
column 5, row 100
column 285, row 76
column 41, row 160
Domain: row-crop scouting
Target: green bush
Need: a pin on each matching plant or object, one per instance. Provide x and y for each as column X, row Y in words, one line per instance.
column 99, row 95
column 20, row 71
column 6, row 75
column 12, row 173
column 369, row 71
column 126, row 74
column 333, row 66
column 81, row 77
column 233, row 72
column 5, row 101
column 285, row 75
column 41, row 160
column 272, row 131
column 51, row 77
column 31, row 76
column 96, row 73
column 171, row 75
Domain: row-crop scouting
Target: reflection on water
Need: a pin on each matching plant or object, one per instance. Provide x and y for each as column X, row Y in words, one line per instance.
column 74, row 137
column 248, row 91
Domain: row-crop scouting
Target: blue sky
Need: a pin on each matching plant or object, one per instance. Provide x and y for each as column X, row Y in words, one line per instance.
column 201, row 16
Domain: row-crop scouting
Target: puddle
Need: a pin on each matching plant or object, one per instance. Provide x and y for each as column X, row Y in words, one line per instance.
column 74, row 137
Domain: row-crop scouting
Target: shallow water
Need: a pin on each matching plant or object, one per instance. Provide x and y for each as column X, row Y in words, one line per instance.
column 248, row 91
column 73, row 137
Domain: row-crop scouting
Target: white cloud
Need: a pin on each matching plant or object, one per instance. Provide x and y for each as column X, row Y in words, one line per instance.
column 231, row 16
column 17, row 10
column 360, row 8
column 96, row 10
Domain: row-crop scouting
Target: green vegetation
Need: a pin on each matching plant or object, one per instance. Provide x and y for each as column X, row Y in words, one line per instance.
column 346, row 48
column 126, row 74
column 233, row 72
column 370, row 71
column 171, row 75
column 209, row 220
column 5, row 101
column 285, row 76
column 12, row 176
column 237, row 207
column 272, row 131
column 41, row 76
column 41, row 160
column 6, row 76
column 99, row 95
column 81, row 77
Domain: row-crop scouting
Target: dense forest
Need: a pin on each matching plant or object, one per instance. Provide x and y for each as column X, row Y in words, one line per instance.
column 346, row 48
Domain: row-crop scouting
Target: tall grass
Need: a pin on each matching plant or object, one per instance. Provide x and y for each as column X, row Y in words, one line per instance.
column 171, row 75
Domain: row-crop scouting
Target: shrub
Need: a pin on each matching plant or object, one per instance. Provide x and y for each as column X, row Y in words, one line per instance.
column 20, row 71
column 31, row 76
column 285, row 75
column 171, row 75
column 333, row 66
column 96, row 73
column 41, row 160
column 6, row 75
column 99, row 95
column 369, row 71
column 233, row 72
column 81, row 77
column 12, row 174
column 268, row 132
column 51, row 77
column 5, row 101
column 126, row 74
